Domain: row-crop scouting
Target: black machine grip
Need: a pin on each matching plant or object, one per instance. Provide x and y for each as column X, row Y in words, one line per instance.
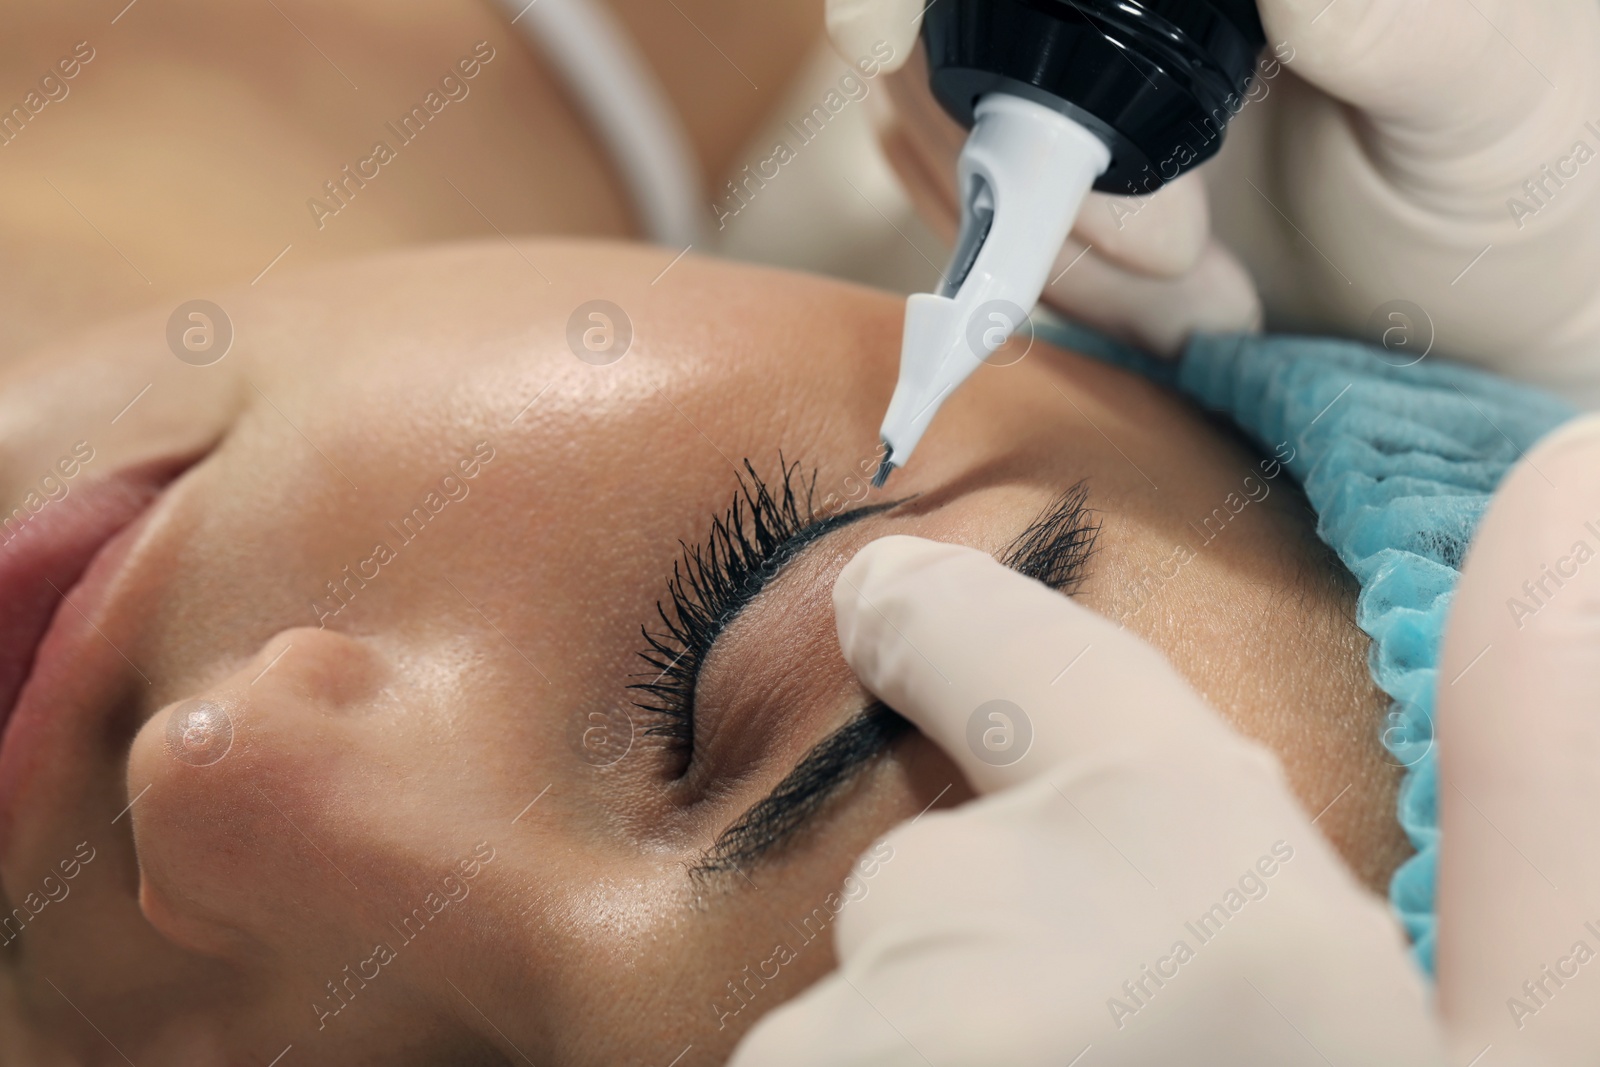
column 1157, row 80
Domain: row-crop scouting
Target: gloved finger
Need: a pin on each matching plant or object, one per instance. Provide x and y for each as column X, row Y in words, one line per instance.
column 1162, row 235
column 1519, row 749
column 992, row 933
column 1022, row 927
column 858, row 28
column 1159, row 315
column 1010, row 678
column 1451, row 65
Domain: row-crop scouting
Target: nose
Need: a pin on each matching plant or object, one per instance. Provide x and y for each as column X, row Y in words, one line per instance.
column 212, row 777
column 319, row 670
column 304, row 672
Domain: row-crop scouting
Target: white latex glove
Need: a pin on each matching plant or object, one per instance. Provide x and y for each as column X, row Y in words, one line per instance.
column 1519, row 713
column 1136, row 880
column 1374, row 165
column 1396, row 146
column 1142, row 268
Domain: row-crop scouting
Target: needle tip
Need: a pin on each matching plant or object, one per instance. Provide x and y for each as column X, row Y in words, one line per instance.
column 884, row 467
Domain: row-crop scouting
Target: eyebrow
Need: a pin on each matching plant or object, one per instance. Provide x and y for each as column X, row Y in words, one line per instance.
column 1054, row 549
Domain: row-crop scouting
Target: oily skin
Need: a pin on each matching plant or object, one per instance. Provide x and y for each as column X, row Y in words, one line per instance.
column 452, row 690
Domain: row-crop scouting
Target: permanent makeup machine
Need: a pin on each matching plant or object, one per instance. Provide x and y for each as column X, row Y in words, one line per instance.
column 1061, row 96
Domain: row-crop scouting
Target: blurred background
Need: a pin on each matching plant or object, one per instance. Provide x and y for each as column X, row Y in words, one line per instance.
column 190, row 146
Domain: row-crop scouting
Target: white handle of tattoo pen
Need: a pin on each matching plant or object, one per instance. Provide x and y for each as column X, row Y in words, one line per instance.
column 1024, row 172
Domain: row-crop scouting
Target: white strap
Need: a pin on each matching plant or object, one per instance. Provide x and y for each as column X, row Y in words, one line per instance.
column 626, row 105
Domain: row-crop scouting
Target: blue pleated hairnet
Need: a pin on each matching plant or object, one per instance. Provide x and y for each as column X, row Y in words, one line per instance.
column 1398, row 462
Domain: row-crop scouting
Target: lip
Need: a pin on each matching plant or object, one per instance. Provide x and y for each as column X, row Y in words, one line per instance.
column 65, row 547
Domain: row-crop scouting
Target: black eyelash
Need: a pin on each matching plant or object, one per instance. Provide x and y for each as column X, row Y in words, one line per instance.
column 712, row 583
column 836, row 760
column 760, row 532
column 1055, row 548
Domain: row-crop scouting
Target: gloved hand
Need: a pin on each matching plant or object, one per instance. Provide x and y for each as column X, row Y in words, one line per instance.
column 1386, row 154
column 1519, row 711
column 1145, row 269
column 1118, row 810
column 1136, row 878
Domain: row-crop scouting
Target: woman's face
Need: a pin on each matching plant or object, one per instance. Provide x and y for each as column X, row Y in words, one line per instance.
column 337, row 739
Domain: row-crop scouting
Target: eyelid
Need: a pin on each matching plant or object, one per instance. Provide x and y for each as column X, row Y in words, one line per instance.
column 805, row 790
column 750, row 688
column 748, row 546
column 1055, row 548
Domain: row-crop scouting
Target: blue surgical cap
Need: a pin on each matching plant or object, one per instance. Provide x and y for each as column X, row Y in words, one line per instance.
column 1398, row 459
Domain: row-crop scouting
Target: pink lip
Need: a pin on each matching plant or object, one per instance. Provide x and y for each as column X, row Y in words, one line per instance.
column 43, row 564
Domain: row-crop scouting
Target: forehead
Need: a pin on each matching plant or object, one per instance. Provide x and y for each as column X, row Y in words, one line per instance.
column 610, row 366
column 374, row 400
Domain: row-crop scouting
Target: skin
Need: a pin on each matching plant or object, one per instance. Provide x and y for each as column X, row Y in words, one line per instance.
column 454, row 689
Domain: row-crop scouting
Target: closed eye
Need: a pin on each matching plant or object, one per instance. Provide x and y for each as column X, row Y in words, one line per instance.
column 760, row 533
column 1054, row 549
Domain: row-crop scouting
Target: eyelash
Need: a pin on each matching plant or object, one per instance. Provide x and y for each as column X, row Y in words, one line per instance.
column 1055, row 548
column 710, row 585
column 757, row 534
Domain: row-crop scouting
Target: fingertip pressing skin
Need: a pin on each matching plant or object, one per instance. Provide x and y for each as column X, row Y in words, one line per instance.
column 1011, row 907
column 1009, row 677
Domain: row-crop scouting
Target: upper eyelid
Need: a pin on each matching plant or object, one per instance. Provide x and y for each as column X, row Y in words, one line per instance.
column 1055, row 548
column 760, row 534
column 813, row 532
